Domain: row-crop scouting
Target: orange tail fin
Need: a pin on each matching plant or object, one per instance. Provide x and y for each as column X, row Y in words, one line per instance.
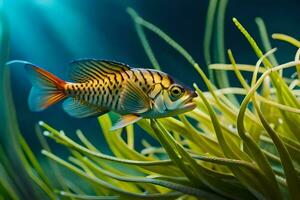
column 47, row 89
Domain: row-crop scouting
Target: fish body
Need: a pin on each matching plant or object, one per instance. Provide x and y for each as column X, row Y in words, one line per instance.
column 100, row 86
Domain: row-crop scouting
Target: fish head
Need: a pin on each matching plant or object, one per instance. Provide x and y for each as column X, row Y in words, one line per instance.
column 175, row 99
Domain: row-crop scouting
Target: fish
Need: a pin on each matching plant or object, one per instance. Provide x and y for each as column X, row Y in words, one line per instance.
column 100, row 86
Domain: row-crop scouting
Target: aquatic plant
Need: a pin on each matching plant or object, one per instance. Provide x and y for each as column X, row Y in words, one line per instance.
column 239, row 143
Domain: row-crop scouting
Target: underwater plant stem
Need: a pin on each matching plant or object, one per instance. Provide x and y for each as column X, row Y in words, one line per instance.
column 231, row 111
column 6, row 184
column 240, row 67
column 226, row 161
column 251, row 183
column 276, row 80
column 297, row 57
column 193, row 171
column 241, row 129
column 292, row 178
column 9, row 127
column 284, row 94
column 163, row 35
column 40, row 178
column 130, row 136
column 63, row 139
column 265, row 39
column 196, row 137
column 175, row 186
column 208, row 30
column 35, row 177
column 143, row 38
column 236, row 71
column 241, row 78
column 86, row 197
column 221, row 76
column 33, row 160
column 286, row 38
column 56, row 171
column 93, row 179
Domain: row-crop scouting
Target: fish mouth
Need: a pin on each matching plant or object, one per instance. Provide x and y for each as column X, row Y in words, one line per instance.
column 189, row 104
column 190, row 98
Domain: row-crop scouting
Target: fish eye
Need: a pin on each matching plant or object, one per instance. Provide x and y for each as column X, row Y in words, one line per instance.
column 176, row 91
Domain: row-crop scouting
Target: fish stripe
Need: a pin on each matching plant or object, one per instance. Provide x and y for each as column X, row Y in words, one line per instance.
column 78, row 75
column 104, row 68
column 116, row 79
column 142, row 74
column 110, row 75
column 142, row 78
column 109, row 67
column 89, row 92
column 94, row 89
column 85, row 70
column 126, row 72
column 159, row 75
column 96, row 67
column 82, row 70
column 97, row 71
column 116, row 99
column 111, row 97
column 117, row 65
column 109, row 100
column 105, row 96
column 102, row 73
column 100, row 98
column 117, row 104
column 152, row 76
column 122, row 77
column 135, row 76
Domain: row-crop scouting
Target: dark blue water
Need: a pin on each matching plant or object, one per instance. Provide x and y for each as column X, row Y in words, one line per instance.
column 51, row 33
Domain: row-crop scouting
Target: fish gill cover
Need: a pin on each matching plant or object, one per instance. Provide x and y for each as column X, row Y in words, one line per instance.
column 239, row 143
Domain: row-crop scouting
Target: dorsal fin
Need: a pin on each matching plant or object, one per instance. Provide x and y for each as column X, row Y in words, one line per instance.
column 88, row 69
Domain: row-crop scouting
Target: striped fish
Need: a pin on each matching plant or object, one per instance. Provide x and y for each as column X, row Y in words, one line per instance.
column 100, row 86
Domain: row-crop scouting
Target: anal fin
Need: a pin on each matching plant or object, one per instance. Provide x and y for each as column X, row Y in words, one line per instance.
column 125, row 120
column 79, row 109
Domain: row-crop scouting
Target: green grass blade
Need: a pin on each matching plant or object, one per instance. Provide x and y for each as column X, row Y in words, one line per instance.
column 286, row 38
column 143, row 39
column 265, row 39
column 208, row 30
column 191, row 169
column 221, row 76
column 252, row 184
column 292, row 178
column 94, row 180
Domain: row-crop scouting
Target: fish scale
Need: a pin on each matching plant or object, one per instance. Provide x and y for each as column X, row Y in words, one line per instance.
column 110, row 87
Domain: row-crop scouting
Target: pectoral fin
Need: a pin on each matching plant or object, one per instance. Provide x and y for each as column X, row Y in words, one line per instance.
column 134, row 99
column 125, row 120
